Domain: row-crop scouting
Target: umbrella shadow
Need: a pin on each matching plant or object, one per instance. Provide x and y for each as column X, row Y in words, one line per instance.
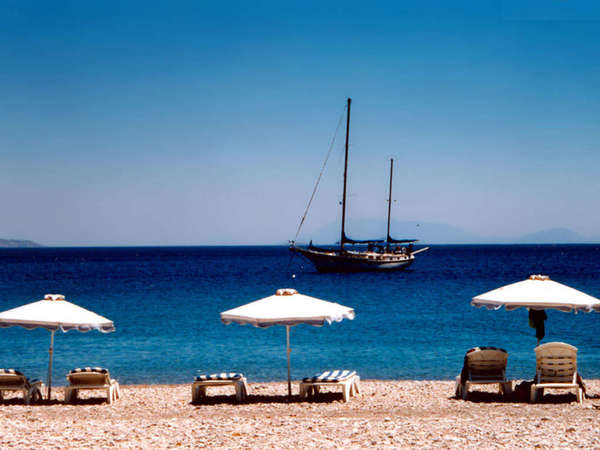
column 255, row 399
column 557, row 398
column 517, row 397
column 487, row 397
column 88, row 401
column 18, row 401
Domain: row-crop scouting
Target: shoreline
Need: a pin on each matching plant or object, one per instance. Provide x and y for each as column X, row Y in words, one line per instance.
column 385, row 414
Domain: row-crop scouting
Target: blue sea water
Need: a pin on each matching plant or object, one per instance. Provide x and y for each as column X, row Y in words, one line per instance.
column 165, row 303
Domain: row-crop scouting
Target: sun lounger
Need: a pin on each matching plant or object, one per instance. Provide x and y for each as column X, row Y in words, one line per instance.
column 203, row 382
column 483, row 365
column 91, row 378
column 13, row 380
column 347, row 379
column 556, row 368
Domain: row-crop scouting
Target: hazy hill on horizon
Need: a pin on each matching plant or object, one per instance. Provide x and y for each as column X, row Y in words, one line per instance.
column 17, row 243
column 426, row 233
column 437, row 233
column 558, row 235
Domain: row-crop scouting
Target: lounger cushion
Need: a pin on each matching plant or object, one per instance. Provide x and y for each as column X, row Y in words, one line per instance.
column 220, row 376
column 332, row 376
column 89, row 369
column 17, row 381
column 11, row 371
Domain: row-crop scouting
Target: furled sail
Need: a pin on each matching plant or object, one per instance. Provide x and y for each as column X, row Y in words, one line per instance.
column 347, row 240
column 391, row 240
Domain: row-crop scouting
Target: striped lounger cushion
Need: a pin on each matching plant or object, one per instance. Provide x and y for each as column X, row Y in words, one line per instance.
column 16, row 372
column 11, row 371
column 223, row 376
column 89, row 369
column 330, row 376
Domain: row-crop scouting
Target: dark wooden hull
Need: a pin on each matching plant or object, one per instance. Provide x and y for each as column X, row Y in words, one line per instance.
column 353, row 261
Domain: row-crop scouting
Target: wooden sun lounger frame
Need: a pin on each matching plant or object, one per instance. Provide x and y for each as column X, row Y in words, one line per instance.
column 556, row 368
column 240, row 384
column 15, row 382
column 91, row 381
column 350, row 387
column 485, row 366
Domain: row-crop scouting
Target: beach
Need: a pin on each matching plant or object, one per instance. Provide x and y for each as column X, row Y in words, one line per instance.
column 384, row 414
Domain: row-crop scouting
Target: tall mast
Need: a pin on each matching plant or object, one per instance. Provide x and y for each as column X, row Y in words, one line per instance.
column 343, row 237
column 390, row 202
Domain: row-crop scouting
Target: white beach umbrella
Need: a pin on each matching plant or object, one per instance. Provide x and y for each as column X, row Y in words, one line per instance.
column 54, row 313
column 538, row 292
column 287, row 307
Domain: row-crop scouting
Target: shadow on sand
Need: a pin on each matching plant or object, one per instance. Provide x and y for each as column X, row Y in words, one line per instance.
column 517, row 397
column 326, row 397
column 18, row 401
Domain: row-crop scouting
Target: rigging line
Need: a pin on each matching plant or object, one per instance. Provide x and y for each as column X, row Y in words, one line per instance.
column 320, row 174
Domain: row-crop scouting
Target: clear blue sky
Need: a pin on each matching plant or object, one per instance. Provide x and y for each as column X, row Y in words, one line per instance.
column 193, row 122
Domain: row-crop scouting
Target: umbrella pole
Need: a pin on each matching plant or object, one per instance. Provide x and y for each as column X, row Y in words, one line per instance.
column 51, row 352
column 287, row 335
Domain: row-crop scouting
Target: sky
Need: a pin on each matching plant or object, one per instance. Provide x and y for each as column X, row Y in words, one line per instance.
column 200, row 123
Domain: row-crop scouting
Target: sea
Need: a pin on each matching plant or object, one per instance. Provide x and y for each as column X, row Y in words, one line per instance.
column 165, row 303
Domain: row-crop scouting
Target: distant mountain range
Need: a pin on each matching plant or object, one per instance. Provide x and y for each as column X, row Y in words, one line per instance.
column 555, row 235
column 16, row 243
column 436, row 233
column 426, row 233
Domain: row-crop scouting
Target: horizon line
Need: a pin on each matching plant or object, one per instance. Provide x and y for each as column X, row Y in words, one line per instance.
column 39, row 246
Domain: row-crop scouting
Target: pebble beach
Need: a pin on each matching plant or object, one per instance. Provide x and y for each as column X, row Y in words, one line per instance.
column 385, row 414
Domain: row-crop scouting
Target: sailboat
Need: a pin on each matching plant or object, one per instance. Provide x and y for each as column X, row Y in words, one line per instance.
column 380, row 255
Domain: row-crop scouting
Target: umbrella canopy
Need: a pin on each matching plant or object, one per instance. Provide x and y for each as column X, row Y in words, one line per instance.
column 537, row 292
column 287, row 307
column 54, row 313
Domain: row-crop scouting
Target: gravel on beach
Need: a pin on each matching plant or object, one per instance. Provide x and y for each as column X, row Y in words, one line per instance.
column 387, row 414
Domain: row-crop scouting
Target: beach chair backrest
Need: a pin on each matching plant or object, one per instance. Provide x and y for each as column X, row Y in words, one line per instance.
column 556, row 363
column 486, row 363
column 11, row 377
column 94, row 376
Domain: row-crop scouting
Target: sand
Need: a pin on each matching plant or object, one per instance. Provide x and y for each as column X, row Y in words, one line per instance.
column 386, row 414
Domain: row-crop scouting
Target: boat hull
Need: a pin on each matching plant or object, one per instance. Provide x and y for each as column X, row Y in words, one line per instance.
column 336, row 261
